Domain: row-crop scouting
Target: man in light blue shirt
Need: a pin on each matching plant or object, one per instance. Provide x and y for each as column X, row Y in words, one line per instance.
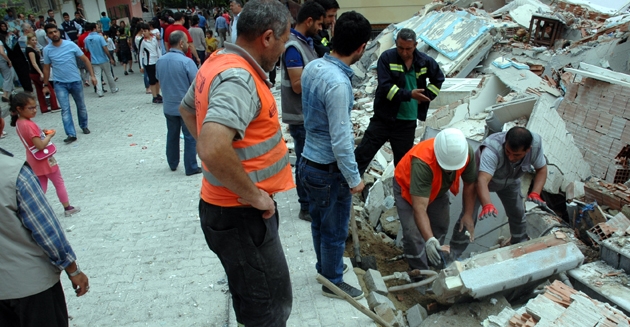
column 105, row 22
column 328, row 169
column 236, row 6
column 202, row 20
column 176, row 73
column 221, row 26
column 62, row 55
column 96, row 45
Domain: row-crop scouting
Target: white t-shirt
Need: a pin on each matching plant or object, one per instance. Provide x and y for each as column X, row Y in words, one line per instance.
column 149, row 52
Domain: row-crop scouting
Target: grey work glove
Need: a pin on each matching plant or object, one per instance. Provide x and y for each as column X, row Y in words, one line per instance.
column 433, row 248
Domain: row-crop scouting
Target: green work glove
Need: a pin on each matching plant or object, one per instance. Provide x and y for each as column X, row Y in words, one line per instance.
column 433, row 248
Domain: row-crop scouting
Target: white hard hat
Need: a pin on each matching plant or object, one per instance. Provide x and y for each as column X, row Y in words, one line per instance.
column 451, row 149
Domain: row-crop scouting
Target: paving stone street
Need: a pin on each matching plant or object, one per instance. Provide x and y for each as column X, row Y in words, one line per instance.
column 138, row 237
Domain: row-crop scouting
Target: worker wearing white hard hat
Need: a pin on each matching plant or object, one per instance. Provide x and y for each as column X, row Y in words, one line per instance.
column 422, row 181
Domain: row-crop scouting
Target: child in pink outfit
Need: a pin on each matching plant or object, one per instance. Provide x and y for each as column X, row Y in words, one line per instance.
column 23, row 108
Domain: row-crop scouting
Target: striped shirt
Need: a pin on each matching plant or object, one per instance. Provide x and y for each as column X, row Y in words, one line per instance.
column 38, row 217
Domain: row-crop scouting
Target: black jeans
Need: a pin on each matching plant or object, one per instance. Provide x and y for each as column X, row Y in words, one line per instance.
column 399, row 133
column 251, row 254
column 47, row 308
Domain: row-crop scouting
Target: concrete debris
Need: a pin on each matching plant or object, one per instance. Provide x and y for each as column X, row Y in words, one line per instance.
column 615, row 196
column 604, row 283
column 604, row 230
column 415, row 315
column 472, row 313
column 506, row 268
column 374, row 282
column 375, row 299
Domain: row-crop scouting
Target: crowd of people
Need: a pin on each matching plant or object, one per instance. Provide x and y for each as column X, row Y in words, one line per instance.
column 222, row 104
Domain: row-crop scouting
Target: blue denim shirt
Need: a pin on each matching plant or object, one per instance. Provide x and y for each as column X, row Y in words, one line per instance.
column 326, row 103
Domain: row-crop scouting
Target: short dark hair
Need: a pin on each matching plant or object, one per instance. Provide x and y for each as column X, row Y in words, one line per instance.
column 238, row 2
column 178, row 15
column 310, row 9
column 328, row 4
column 103, row 14
column 49, row 26
column 351, row 31
column 143, row 26
column 40, row 16
column 65, row 14
column 194, row 20
column 77, row 13
column 519, row 138
column 90, row 26
column 49, row 10
column 154, row 23
column 406, row 34
column 259, row 16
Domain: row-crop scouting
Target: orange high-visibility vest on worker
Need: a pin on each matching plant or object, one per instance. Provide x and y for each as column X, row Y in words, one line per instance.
column 424, row 151
column 262, row 151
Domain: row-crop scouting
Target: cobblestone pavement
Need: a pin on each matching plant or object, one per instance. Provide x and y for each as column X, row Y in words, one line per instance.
column 137, row 236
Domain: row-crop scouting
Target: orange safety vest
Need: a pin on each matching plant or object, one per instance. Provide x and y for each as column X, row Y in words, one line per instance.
column 424, row 151
column 262, row 151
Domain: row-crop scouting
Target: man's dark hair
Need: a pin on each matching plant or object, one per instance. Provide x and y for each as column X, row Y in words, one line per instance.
column 328, row 4
column 40, row 16
column 49, row 26
column 310, row 9
column 90, row 26
column 143, row 26
column 103, row 14
column 406, row 34
column 65, row 14
column 259, row 16
column 194, row 20
column 50, row 10
column 178, row 15
column 238, row 2
column 519, row 138
column 351, row 31
column 77, row 13
column 154, row 23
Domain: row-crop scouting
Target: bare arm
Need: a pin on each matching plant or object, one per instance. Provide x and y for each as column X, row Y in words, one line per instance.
column 32, row 59
column 420, row 215
column 469, row 203
column 295, row 75
column 540, row 179
column 190, row 119
column 40, row 143
column 483, row 192
column 111, row 60
column 46, row 77
column 215, row 149
column 3, row 54
column 88, row 66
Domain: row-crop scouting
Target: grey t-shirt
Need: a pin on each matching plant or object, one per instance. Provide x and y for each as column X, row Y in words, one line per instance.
column 488, row 161
column 235, row 102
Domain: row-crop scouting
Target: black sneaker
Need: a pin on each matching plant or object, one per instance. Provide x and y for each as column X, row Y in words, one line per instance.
column 304, row 215
column 131, row 70
column 126, row 73
column 86, row 130
column 70, row 139
column 348, row 289
column 157, row 100
column 194, row 172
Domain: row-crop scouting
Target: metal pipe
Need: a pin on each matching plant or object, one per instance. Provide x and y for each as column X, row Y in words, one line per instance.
column 431, row 273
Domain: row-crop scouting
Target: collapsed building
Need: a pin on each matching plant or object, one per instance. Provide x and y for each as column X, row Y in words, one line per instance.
column 562, row 71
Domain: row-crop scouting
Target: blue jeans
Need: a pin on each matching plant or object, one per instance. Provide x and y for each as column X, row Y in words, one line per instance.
column 251, row 253
column 298, row 133
column 329, row 205
column 63, row 92
column 173, row 126
column 146, row 79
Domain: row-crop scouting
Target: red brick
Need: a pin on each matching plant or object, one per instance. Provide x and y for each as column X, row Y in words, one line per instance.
column 572, row 91
column 605, row 101
column 618, row 105
column 603, row 147
column 580, row 115
column 592, row 116
column 616, row 128
column 603, row 123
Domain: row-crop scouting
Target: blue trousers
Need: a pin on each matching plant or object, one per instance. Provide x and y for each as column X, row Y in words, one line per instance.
column 175, row 124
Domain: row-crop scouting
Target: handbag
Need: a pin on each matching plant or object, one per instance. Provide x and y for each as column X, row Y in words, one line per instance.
column 42, row 154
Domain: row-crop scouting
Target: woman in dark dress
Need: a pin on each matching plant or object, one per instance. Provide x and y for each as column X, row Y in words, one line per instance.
column 37, row 74
column 18, row 60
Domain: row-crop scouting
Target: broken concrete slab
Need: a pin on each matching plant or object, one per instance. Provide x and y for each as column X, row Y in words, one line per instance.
column 467, row 314
column 521, row 11
column 522, row 81
column 615, row 251
column 601, row 74
column 415, row 315
column 609, row 7
column 374, row 282
column 389, row 221
column 504, row 112
column 374, row 202
column 375, row 299
column 507, row 268
column 604, row 283
column 541, row 307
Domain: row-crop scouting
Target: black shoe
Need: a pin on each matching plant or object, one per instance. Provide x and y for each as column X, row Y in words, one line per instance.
column 195, row 172
column 348, row 289
column 70, row 139
column 86, row 131
column 131, row 70
column 304, row 215
column 157, row 100
column 126, row 73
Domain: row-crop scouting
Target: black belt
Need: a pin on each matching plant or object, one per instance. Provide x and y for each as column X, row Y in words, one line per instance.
column 331, row 168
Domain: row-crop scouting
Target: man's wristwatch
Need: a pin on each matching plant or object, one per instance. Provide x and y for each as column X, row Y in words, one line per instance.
column 76, row 272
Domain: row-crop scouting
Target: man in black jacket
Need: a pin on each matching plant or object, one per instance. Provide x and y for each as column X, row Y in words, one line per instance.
column 402, row 97
column 321, row 40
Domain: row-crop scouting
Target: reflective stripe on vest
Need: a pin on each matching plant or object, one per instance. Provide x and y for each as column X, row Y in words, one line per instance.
column 424, row 151
column 433, row 89
column 263, row 153
column 422, row 71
